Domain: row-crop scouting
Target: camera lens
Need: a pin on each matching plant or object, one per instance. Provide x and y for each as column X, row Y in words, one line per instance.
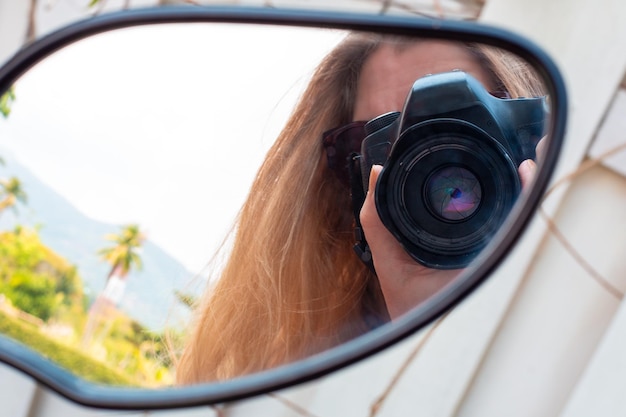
column 453, row 193
column 446, row 189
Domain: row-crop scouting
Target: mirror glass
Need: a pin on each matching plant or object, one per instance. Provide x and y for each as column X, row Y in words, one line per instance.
column 135, row 249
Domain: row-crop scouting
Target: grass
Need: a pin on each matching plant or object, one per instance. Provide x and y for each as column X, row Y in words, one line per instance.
column 65, row 356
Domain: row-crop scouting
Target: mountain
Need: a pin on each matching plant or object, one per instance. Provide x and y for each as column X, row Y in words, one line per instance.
column 149, row 296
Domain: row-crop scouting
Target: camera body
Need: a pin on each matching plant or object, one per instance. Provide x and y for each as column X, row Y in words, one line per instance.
column 450, row 160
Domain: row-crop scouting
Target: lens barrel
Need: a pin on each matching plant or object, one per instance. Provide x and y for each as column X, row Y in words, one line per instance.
column 445, row 190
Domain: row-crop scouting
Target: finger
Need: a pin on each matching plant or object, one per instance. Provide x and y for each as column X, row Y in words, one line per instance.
column 385, row 248
column 527, row 171
column 369, row 214
column 540, row 149
column 375, row 171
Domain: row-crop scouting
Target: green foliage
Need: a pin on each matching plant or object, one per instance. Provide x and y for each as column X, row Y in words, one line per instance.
column 11, row 192
column 141, row 354
column 186, row 299
column 6, row 100
column 64, row 356
column 43, row 284
column 33, row 277
column 32, row 293
column 123, row 255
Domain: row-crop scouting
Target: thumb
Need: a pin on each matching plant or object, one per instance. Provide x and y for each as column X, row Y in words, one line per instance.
column 374, row 173
column 369, row 214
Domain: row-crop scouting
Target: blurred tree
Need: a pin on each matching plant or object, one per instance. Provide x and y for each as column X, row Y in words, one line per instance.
column 123, row 256
column 5, row 102
column 33, row 293
column 11, row 192
column 185, row 299
column 37, row 280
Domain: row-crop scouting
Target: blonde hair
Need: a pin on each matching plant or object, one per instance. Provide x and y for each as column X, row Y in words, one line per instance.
column 292, row 285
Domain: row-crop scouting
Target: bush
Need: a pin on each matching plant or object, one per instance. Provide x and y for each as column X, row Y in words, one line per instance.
column 35, row 278
column 66, row 357
column 32, row 293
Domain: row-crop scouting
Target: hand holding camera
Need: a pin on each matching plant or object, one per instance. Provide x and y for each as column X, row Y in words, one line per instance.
column 451, row 158
column 441, row 177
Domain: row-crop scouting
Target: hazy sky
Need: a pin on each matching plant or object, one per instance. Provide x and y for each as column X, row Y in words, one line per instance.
column 164, row 127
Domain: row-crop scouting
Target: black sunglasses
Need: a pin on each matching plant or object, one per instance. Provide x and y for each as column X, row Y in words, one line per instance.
column 340, row 143
column 343, row 141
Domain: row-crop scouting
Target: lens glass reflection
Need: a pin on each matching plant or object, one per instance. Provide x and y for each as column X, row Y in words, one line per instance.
column 453, row 193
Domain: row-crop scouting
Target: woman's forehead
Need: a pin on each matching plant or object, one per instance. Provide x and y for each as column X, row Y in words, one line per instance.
column 390, row 71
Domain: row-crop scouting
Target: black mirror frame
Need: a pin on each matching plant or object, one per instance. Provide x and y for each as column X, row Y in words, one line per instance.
column 87, row 394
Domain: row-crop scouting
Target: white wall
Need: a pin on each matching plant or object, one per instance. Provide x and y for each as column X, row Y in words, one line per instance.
column 543, row 337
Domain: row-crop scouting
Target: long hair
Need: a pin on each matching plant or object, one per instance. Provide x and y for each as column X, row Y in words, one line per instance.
column 292, row 285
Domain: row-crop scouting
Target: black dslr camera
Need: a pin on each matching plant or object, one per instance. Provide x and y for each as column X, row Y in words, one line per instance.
column 450, row 162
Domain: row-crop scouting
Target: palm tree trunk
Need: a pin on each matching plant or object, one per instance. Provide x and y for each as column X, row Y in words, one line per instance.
column 108, row 299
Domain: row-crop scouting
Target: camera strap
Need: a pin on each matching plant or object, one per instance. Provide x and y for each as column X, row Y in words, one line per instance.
column 357, row 193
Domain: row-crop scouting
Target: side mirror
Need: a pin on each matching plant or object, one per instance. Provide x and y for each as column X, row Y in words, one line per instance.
column 180, row 187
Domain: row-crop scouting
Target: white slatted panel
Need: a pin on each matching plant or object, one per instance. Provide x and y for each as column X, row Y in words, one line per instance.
column 13, row 23
column 600, row 390
column 560, row 313
column 16, row 393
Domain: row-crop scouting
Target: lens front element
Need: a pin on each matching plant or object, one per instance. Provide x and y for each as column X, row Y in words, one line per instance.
column 453, row 193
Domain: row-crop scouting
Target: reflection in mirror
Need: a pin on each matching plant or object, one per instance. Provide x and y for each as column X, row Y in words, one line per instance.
column 178, row 204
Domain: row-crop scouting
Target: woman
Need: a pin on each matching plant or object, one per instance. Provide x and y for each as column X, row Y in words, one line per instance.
column 292, row 285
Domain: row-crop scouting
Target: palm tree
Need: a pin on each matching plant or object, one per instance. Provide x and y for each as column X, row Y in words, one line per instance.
column 123, row 256
column 11, row 192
